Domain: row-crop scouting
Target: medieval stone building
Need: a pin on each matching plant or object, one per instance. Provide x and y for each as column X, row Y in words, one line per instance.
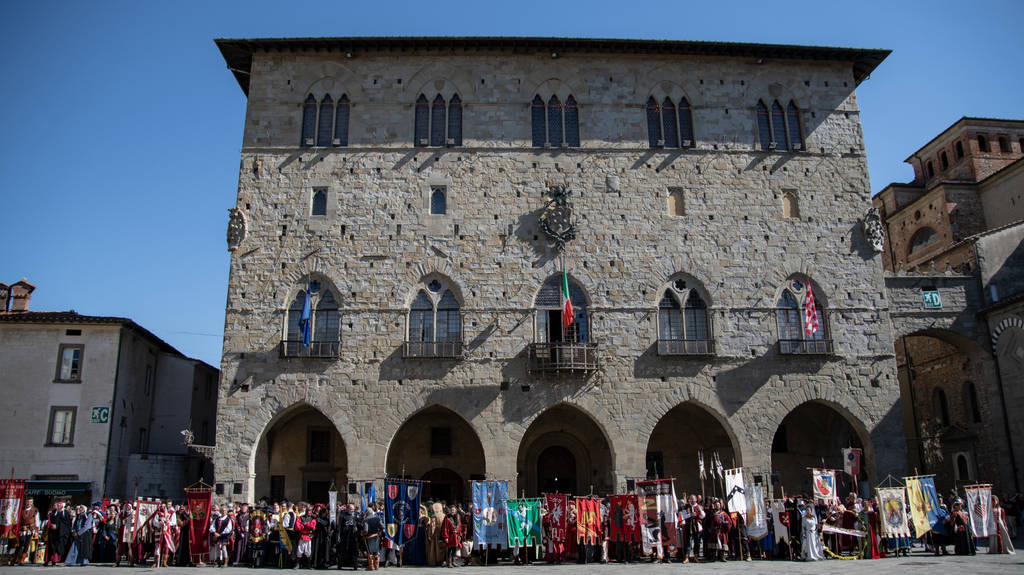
column 425, row 194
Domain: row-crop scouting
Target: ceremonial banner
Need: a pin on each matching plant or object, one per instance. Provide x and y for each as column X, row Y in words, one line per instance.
column 928, row 489
column 11, row 492
column 624, row 524
column 824, row 481
column 199, row 501
column 736, row 499
column 489, row 527
column 523, row 522
column 401, row 510
column 332, row 505
column 851, row 461
column 780, row 521
column 757, row 523
column 979, row 508
column 919, row 506
column 588, row 520
column 557, row 504
column 893, row 512
column 144, row 510
column 827, row 528
column 658, row 515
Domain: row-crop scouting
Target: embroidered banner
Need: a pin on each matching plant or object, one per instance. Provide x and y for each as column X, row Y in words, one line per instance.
column 735, row 497
column 979, row 508
column 523, row 522
column 557, row 504
column 588, row 520
column 658, row 515
column 11, row 493
column 144, row 510
column 824, row 481
column 401, row 510
column 919, row 506
column 489, row 527
column 929, row 492
column 199, row 501
column 624, row 524
column 780, row 521
column 757, row 521
column 893, row 512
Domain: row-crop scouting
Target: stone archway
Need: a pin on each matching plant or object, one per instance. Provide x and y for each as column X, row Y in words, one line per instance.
column 680, row 435
column 436, row 444
column 813, row 435
column 567, row 430
column 299, row 456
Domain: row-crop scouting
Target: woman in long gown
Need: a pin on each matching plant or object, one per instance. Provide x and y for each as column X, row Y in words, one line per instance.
column 999, row 541
column 960, row 529
column 810, row 542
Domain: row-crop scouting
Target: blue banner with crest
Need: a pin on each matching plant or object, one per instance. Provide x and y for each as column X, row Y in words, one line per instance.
column 401, row 510
column 489, row 520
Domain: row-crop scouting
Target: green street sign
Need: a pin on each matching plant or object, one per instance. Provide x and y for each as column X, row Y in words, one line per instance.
column 100, row 415
column 932, row 299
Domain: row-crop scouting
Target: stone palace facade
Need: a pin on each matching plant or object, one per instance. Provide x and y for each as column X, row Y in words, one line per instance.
column 427, row 192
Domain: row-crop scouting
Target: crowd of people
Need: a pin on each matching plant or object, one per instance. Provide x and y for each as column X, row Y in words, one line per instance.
column 293, row 535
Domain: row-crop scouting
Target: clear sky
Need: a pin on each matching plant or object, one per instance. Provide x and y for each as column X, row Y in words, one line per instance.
column 121, row 128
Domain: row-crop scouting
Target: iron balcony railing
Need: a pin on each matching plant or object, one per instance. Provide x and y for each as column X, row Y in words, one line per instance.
column 432, row 350
column 805, row 346
column 316, row 349
column 686, row 347
column 563, row 357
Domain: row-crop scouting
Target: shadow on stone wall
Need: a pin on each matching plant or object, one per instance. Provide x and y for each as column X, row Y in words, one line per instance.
column 736, row 385
column 395, row 367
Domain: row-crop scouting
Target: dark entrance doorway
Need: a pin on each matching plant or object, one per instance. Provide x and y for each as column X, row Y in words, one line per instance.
column 556, row 470
column 316, row 491
column 445, row 485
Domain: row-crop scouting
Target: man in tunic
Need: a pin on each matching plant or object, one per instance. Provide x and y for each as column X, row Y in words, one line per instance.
column 59, row 537
column 84, row 523
column 451, row 533
column 721, row 524
column 373, row 528
column 348, row 532
column 321, row 538
column 241, row 534
column 436, row 548
column 124, row 535
column 28, row 532
column 222, row 527
column 304, row 525
column 693, row 529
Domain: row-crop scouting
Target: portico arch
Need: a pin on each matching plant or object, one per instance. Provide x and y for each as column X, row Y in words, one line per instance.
column 568, row 430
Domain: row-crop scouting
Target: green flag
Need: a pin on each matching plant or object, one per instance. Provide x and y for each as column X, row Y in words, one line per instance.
column 523, row 522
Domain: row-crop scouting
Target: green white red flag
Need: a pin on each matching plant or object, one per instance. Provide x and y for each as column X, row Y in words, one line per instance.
column 568, row 316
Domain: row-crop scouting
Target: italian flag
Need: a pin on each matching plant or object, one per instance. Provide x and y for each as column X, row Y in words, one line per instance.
column 567, row 314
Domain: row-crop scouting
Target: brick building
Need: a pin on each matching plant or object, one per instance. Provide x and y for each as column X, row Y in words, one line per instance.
column 963, row 216
column 413, row 187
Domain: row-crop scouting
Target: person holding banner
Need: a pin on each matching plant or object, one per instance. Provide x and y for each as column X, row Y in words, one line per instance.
column 28, row 533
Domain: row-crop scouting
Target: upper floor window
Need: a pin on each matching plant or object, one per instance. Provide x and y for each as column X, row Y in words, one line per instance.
column 550, row 306
column 931, row 169
column 438, row 200
column 800, row 314
column 959, row 149
column 780, row 129
column 1004, row 144
column 922, row 239
column 555, row 125
column 319, row 206
column 438, row 123
column 682, row 314
column 944, row 160
column 790, row 206
column 325, row 123
column 940, row 407
column 676, row 202
column 69, row 363
column 971, row 407
column 668, row 125
column 314, row 323
column 983, row 143
column 61, row 430
column 434, row 315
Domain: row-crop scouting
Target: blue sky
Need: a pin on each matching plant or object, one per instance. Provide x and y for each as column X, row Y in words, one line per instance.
column 121, row 128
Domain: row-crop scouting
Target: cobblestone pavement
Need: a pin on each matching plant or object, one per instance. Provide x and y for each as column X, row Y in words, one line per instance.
column 922, row 563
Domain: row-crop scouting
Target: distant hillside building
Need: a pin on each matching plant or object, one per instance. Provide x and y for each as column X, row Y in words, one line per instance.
column 95, row 405
column 961, row 221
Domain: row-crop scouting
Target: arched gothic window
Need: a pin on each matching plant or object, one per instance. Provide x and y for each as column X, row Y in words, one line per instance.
column 791, row 317
column 922, row 239
column 548, row 306
column 971, row 408
column 325, row 328
column 435, row 322
column 325, row 124
column 780, row 130
column 940, row 407
column 438, row 201
column 319, row 207
column 438, row 123
column 668, row 125
column 683, row 322
column 554, row 124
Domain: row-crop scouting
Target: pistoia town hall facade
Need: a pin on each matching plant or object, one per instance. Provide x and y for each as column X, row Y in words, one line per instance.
column 427, row 193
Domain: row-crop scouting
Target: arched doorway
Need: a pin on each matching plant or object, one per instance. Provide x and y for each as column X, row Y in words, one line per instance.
column 680, row 436
column 813, row 436
column 299, row 457
column 565, row 450
column 437, row 445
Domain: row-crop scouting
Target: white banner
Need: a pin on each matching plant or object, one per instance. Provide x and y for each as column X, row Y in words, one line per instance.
column 824, row 484
column 893, row 512
column 735, row 497
column 780, row 520
column 979, row 508
column 757, row 522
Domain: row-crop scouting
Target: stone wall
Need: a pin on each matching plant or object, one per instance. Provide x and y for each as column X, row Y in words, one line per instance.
column 379, row 245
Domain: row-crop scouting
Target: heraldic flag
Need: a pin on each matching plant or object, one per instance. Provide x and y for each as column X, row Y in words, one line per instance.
column 928, row 489
column 824, row 481
column 489, row 527
column 11, row 493
column 588, row 520
column 401, row 510
column 893, row 512
column 624, row 519
column 780, row 521
column 735, row 496
column 657, row 515
column 920, row 505
column 979, row 509
column 557, row 503
column 757, row 520
column 523, row 522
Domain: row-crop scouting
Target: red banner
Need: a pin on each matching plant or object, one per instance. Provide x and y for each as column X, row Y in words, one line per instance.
column 11, row 492
column 557, row 505
column 624, row 518
column 588, row 520
column 199, row 501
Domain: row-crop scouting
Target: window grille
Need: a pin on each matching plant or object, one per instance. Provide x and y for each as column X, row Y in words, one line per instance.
column 669, row 124
column 308, row 121
column 422, row 121
column 653, row 122
column 555, row 122
column 779, row 128
column 341, row 121
column 326, row 125
column 764, row 130
column 455, row 120
column 438, row 114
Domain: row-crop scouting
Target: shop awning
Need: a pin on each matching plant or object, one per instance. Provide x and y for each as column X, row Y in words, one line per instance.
column 58, row 488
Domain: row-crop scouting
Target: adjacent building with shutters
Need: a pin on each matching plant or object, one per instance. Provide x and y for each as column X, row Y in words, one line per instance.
column 427, row 192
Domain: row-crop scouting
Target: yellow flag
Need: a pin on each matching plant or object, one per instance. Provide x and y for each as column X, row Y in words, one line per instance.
column 918, row 506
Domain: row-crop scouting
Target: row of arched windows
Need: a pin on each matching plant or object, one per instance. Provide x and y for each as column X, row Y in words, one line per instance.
column 554, row 124
column 435, row 315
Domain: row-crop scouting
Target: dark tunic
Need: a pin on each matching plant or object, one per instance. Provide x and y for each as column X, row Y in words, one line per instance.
column 241, row 537
column 373, row 529
column 321, row 542
column 59, row 538
column 348, row 530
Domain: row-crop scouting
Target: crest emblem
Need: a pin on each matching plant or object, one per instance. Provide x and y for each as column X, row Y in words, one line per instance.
column 392, row 529
column 392, row 491
column 557, row 222
column 409, row 531
column 412, row 490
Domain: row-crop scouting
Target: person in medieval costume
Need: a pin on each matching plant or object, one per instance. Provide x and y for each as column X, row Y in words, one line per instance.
column 960, row 528
column 273, row 542
column 241, row 534
column 811, row 546
column 693, row 529
column 289, row 536
column 257, row 537
column 124, row 535
column 436, row 548
column 348, row 533
column 184, row 555
column 170, row 539
column 999, row 540
column 304, row 526
column 373, row 530
column 322, row 538
column 451, row 533
column 718, row 532
column 28, row 532
column 158, row 525
column 107, row 535
column 58, row 537
column 222, row 527
column 82, row 533
column 571, row 544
